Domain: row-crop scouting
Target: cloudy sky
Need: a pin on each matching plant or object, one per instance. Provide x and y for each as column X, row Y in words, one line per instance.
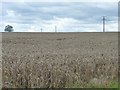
column 66, row 16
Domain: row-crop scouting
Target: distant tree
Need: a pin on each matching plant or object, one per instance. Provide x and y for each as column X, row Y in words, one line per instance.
column 9, row 28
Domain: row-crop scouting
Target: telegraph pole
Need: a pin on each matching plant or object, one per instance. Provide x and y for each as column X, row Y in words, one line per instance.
column 41, row 29
column 104, row 23
column 55, row 28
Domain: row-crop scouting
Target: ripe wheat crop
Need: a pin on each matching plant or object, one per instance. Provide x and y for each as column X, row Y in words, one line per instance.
column 59, row 60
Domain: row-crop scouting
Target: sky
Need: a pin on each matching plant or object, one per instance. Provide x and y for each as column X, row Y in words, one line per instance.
column 66, row 16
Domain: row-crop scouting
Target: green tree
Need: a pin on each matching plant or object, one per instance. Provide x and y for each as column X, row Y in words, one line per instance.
column 9, row 28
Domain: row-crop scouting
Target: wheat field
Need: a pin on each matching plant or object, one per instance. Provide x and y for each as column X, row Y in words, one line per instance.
column 59, row 60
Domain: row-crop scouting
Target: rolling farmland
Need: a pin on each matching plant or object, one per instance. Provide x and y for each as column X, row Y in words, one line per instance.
column 59, row 60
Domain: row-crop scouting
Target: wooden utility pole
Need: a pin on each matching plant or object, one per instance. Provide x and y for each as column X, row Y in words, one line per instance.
column 41, row 29
column 104, row 23
column 55, row 28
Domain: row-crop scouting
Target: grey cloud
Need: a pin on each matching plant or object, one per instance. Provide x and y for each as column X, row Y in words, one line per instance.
column 35, row 12
column 74, row 10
